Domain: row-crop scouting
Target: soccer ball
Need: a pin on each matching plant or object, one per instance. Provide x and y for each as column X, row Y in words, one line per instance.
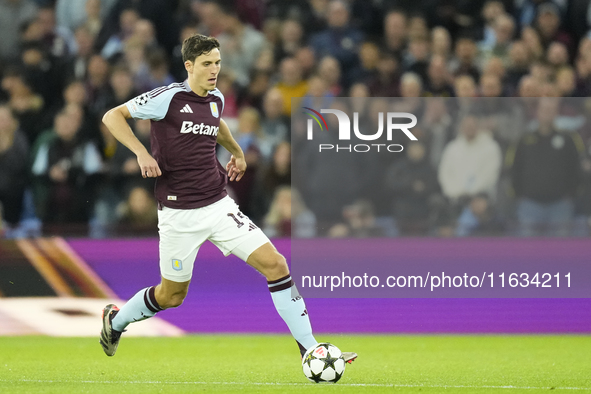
column 323, row 362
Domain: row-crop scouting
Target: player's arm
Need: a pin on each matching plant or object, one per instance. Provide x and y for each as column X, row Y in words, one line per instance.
column 116, row 121
column 237, row 164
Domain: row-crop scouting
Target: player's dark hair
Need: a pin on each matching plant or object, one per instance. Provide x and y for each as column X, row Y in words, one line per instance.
column 197, row 45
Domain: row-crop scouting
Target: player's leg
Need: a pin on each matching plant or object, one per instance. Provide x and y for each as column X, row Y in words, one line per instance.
column 289, row 303
column 180, row 238
column 149, row 301
column 143, row 305
column 235, row 233
column 170, row 294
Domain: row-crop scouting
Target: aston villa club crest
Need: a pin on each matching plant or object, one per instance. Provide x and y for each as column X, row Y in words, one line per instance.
column 214, row 110
column 177, row 265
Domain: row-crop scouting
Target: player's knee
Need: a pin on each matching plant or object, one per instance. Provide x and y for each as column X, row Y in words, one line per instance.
column 173, row 300
column 276, row 267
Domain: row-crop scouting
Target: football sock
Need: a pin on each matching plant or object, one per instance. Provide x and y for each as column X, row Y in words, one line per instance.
column 140, row 307
column 291, row 307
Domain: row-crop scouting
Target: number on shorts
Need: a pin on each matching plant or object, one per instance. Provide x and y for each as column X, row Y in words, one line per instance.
column 238, row 222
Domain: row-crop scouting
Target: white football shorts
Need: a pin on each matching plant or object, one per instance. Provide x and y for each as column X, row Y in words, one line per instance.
column 183, row 231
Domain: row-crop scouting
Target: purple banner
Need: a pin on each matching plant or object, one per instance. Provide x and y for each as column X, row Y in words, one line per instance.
column 227, row 296
column 442, row 268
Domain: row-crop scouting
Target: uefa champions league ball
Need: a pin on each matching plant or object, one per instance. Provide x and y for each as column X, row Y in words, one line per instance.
column 323, row 363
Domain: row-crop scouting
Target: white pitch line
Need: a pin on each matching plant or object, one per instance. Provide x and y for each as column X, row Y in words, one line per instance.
column 298, row 384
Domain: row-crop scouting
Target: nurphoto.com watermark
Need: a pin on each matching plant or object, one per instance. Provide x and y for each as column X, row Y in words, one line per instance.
column 344, row 132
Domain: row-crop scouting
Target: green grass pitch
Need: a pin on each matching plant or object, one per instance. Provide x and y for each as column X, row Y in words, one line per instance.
column 270, row 363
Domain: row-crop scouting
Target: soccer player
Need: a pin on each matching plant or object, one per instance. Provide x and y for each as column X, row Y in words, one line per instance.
column 193, row 205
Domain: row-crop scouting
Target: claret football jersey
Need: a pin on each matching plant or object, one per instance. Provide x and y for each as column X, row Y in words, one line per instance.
column 184, row 132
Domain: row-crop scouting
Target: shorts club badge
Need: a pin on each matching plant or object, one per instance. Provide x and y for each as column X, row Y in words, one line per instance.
column 177, row 265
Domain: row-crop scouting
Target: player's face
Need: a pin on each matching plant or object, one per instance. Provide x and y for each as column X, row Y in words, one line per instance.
column 203, row 72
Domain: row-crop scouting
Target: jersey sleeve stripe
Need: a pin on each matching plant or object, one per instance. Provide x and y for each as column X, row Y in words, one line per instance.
column 156, row 92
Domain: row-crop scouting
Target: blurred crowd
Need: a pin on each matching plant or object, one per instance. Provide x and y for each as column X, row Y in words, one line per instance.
column 505, row 166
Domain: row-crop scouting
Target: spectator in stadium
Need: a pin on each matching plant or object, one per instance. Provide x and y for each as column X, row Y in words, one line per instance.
column 548, row 24
column 369, row 56
column 242, row 46
column 471, row 163
column 275, row 125
column 57, row 39
column 288, row 216
column 311, row 14
column 253, row 95
column 464, row 61
column 359, row 89
column 478, row 218
column 340, row 39
column 329, row 70
column 490, row 11
column 528, row 10
column 274, row 174
column 115, row 44
column 416, row 59
column 417, row 28
column 143, row 30
column 26, row 104
column 318, row 95
column 386, row 81
column 517, row 67
column 158, row 72
column 119, row 176
column 87, row 13
column 13, row 13
column 291, row 85
column 395, row 32
column 291, row 39
column 495, row 66
column 411, row 181
column 437, row 122
column 248, row 136
column 42, row 70
column 557, row 55
column 441, row 42
column 75, row 94
column 156, row 11
column 465, row 87
column 566, row 82
column 138, row 215
column 77, row 64
column 14, row 162
column 411, row 89
column 504, row 29
column 545, row 171
column 65, row 171
column 359, row 221
column 540, row 62
column 97, row 81
column 438, row 79
column 411, row 85
column 533, row 41
column 499, row 116
column 119, row 90
column 325, row 191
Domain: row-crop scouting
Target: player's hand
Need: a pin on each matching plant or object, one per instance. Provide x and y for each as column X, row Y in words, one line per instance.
column 148, row 166
column 236, row 168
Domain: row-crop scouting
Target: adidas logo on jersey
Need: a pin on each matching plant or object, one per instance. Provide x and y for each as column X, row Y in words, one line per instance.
column 198, row 128
column 186, row 109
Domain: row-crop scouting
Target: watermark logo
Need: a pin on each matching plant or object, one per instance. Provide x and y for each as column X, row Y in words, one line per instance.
column 315, row 115
column 344, row 132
